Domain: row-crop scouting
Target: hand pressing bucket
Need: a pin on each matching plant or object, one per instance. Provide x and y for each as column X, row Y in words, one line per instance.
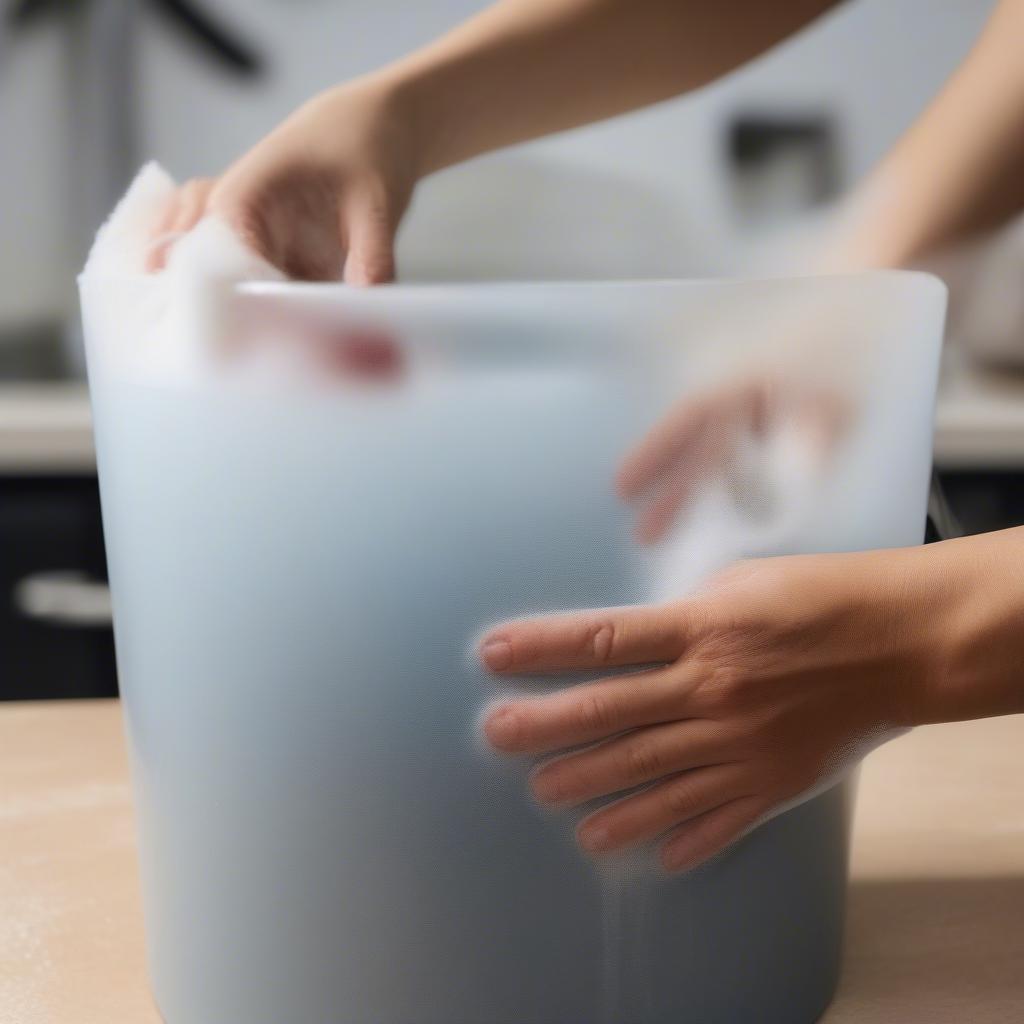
column 301, row 562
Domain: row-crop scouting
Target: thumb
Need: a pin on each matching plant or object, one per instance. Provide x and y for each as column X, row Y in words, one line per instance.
column 370, row 231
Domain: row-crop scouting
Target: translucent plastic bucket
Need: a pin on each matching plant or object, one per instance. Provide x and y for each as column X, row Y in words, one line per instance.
column 300, row 565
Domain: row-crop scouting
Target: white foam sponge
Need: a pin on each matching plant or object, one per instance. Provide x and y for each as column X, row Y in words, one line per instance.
column 174, row 319
column 210, row 249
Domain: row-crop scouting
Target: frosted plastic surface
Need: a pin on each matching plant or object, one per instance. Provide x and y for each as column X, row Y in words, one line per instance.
column 300, row 564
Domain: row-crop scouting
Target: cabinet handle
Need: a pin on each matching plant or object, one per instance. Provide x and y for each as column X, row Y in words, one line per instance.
column 64, row 598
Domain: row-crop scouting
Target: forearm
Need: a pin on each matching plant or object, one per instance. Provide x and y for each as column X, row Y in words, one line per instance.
column 960, row 168
column 525, row 68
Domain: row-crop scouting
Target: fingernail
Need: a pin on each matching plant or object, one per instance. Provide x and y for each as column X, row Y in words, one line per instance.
column 496, row 655
column 502, row 728
column 595, row 839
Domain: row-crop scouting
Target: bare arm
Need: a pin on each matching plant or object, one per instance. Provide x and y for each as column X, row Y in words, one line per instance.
column 327, row 188
column 960, row 168
column 524, row 68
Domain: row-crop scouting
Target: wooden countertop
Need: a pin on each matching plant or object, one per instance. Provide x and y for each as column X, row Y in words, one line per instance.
column 936, row 922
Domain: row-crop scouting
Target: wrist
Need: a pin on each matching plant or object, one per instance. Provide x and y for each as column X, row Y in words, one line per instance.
column 971, row 629
column 414, row 102
column 399, row 94
column 909, row 603
column 871, row 230
column 371, row 121
column 984, row 644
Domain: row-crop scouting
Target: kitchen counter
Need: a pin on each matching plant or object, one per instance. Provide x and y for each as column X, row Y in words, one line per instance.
column 935, row 931
column 979, row 416
column 979, row 423
column 46, row 428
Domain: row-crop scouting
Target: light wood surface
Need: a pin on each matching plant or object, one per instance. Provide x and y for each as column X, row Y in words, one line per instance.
column 936, row 921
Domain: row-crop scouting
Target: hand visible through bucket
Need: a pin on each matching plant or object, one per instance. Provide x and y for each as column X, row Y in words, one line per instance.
column 698, row 439
column 738, row 700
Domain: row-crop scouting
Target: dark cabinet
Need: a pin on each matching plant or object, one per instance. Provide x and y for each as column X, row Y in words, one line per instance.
column 984, row 499
column 55, row 635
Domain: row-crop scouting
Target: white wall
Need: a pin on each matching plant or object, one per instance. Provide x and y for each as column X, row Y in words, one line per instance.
column 640, row 195
column 33, row 155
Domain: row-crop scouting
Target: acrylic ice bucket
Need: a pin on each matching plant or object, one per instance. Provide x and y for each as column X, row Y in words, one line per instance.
column 300, row 564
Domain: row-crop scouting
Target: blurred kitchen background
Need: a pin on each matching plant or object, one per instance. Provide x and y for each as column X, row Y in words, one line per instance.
column 709, row 184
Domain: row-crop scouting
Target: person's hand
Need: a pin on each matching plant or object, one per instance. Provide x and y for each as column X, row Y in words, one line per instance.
column 736, row 701
column 699, row 440
column 320, row 197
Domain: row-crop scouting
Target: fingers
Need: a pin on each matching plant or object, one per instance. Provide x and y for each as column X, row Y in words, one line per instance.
column 287, row 216
column 192, row 204
column 656, row 519
column 653, row 811
column 585, row 713
column 370, row 231
column 182, row 212
column 606, row 638
column 702, row 837
column 301, row 227
column 671, row 439
column 635, row 759
column 690, row 445
column 306, row 243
